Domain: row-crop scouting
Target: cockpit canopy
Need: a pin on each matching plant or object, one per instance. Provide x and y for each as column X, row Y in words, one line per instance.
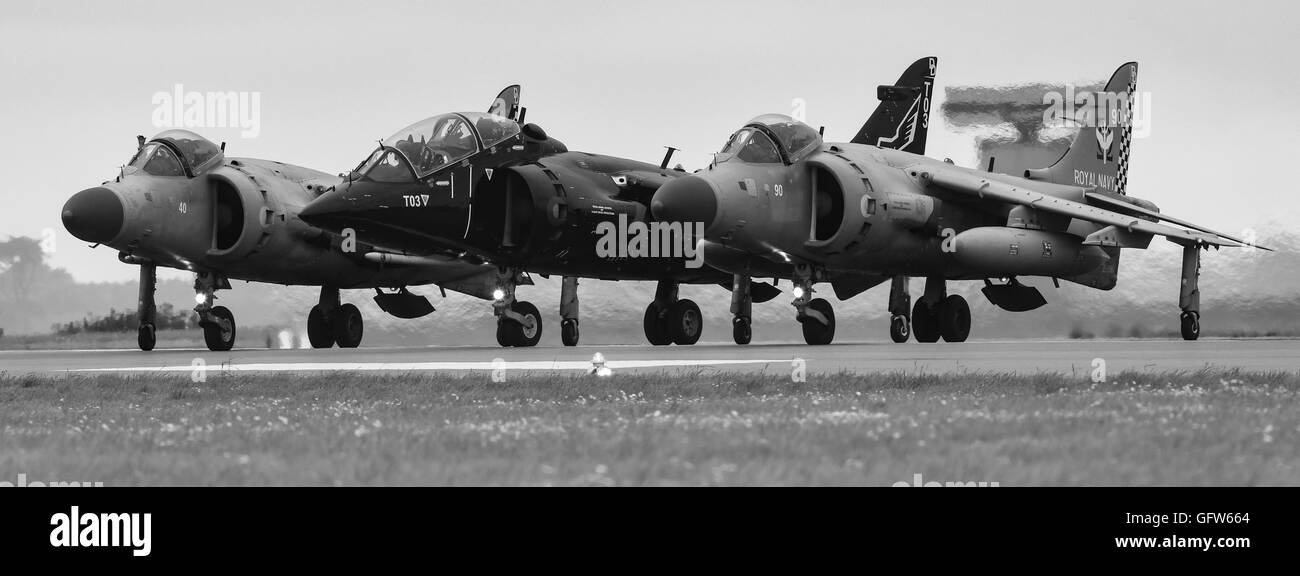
column 771, row 139
column 177, row 153
column 435, row 142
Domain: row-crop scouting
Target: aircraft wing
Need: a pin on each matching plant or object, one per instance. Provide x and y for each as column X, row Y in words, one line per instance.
column 1118, row 225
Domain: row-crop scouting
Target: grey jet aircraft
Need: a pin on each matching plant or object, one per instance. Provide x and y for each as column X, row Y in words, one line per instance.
column 181, row 203
column 779, row 202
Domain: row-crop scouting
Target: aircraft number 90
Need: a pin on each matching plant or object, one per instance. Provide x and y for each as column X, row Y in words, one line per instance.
column 778, row 190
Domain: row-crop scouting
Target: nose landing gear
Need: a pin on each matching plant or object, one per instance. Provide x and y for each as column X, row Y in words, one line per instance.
column 900, row 304
column 518, row 323
column 816, row 315
column 742, row 304
column 569, row 311
column 147, row 334
column 217, row 322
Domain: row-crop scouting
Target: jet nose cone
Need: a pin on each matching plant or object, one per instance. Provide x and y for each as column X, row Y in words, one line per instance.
column 327, row 211
column 94, row 215
column 685, row 199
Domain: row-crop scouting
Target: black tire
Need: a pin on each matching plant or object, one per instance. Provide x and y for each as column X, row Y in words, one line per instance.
column 569, row 331
column 742, row 330
column 815, row 333
column 685, row 322
column 319, row 331
column 347, row 325
column 925, row 322
column 507, row 333
column 529, row 333
column 217, row 339
column 900, row 329
column 954, row 319
column 146, row 336
column 653, row 325
column 1191, row 325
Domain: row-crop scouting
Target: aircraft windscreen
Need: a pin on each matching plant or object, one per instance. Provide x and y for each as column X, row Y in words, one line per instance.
column 433, row 143
column 750, row 145
column 385, row 165
column 157, row 160
column 197, row 152
column 795, row 137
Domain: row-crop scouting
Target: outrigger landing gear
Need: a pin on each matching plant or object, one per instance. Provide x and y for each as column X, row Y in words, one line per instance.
column 816, row 315
column 330, row 322
column 1189, row 293
column 937, row 314
column 218, row 323
column 671, row 321
column 742, row 305
column 900, row 307
column 569, row 311
column 147, row 334
column 518, row 323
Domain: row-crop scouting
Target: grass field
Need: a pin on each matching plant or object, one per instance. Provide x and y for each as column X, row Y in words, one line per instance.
column 1177, row 428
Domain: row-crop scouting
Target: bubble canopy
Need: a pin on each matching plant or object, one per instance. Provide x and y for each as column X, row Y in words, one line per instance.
column 435, row 142
column 771, row 139
column 159, row 157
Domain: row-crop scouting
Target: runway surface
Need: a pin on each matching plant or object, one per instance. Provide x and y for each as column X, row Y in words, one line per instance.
column 1019, row 356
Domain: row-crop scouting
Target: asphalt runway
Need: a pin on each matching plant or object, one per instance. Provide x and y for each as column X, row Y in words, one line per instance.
column 1018, row 356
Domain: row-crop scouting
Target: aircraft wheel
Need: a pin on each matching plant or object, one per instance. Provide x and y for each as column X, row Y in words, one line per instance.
column 899, row 328
column 954, row 319
column 319, row 332
column 146, row 336
column 528, row 332
column 925, row 322
column 814, row 332
column 347, row 326
column 741, row 330
column 654, row 327
column 685, row 322
column 220, row 336
column 507, row 333
column 1191, row 325
column 569, row 331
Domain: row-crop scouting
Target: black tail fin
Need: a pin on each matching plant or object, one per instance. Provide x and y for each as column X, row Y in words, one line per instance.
column 902, row 119
column 1099, row 156
column 507, row 103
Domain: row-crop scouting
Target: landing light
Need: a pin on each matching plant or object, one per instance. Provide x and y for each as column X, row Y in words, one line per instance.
column 200, row 298
column 798, row 292
column 498, row 294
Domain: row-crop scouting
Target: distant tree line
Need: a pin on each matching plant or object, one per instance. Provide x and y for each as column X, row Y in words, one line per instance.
column 168, row 318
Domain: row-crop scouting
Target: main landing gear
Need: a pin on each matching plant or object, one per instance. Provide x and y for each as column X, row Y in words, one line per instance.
column 518, row 323
column 669, row 320
column 937, row 314
column 1189, row 293
column 816, row 315
column 330, row 322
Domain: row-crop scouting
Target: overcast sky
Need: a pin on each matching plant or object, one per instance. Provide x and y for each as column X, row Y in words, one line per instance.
column 626, row 79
